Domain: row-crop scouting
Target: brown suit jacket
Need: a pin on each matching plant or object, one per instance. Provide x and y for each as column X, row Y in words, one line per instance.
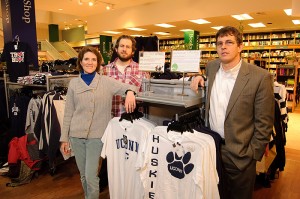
column 249, row 115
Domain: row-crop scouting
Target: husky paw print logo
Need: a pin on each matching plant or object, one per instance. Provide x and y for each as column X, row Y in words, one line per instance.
column 178, row 166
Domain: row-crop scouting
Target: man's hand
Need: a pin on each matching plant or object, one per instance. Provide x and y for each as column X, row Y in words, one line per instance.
column 195, row 83
column 130, row 103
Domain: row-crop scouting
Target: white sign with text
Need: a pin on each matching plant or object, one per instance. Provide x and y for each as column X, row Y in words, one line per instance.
column 185, row 60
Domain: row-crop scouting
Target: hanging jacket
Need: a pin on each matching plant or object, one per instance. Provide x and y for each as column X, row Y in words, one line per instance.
column 24, row 148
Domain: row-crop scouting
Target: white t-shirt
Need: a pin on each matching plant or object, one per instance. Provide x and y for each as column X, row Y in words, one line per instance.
column 177, row 165
column 123, row 142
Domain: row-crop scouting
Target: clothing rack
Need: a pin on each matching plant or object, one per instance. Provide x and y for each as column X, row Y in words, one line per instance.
column 187, row 115
column 51, row 83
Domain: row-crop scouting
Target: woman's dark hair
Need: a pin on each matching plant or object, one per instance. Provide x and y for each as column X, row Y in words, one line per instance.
column 229, row 30
column 126, row 37
column 92, row 50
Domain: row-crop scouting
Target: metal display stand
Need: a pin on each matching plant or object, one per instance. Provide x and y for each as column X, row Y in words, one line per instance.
column 51, row 82
column 166, row 100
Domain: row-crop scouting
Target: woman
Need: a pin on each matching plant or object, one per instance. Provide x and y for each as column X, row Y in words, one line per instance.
column 87, row 113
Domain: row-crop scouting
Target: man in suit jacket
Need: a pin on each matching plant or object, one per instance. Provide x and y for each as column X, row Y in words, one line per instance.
column 240, row 107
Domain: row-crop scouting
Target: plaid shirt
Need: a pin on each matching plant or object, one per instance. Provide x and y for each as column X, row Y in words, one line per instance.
column 131, row 76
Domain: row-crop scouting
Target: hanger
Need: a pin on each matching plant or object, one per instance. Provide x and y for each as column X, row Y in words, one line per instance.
column 135, row 115
column 61, row 89
column 186, row 121
column 17, row 38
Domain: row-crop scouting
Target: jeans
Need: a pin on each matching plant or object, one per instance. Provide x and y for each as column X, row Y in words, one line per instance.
column 87, row 154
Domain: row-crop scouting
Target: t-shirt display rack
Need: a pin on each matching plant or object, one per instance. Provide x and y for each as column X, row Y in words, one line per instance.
column 51, row 83
column 163, row 99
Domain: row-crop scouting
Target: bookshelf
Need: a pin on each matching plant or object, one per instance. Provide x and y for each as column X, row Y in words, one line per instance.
column 288, row 76
column 268, row 49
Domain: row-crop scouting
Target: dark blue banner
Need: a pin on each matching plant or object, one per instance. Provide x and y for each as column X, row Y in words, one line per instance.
column 18, row 17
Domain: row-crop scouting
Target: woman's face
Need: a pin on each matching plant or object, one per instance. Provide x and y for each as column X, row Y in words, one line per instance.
column 89, row 62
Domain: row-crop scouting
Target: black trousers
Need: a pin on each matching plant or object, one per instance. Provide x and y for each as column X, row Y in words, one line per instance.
column 103, row 175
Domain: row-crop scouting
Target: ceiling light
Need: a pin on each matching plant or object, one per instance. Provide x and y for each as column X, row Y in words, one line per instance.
column 161, row 33
column 288, row 12
column 185, row 30
column 242, row 17
column 112, row 32
column 296, row 22
column 217, row 27
column 199, row 21
column 256, row 25
column 136, row 29
column 164, row 25
column 109, row 6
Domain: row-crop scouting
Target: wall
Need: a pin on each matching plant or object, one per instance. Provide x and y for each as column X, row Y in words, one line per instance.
column 73, row 34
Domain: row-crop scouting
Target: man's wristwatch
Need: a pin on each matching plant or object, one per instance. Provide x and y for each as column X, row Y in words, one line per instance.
column 130, row 90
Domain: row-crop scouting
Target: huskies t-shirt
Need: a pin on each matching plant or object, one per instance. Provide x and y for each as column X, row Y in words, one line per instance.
column 176, row 165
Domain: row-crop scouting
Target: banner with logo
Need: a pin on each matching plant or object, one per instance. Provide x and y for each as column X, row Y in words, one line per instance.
column 191, row 40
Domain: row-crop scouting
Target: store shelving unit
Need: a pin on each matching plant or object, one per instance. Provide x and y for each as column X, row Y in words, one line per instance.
column 268, row 48
column 167, row 45
column 288, row 76
column 51, row 82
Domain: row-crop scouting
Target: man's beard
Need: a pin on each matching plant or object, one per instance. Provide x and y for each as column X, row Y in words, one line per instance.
column 124, row 59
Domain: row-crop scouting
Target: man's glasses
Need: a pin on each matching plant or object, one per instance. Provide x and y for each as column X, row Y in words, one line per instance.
column 227, row 43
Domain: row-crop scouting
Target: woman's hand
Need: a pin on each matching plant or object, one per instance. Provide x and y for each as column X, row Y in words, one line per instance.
column 65, row 148
column 130, row 103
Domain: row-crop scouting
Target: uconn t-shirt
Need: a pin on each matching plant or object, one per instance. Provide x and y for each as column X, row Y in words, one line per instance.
column 122, row 142
column 18, row 56
column 179, row 165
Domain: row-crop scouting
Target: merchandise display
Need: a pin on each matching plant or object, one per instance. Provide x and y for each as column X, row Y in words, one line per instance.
column 18, row 56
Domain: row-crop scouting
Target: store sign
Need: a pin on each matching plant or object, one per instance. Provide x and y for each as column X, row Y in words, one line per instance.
column 151, row 61
column 185, row 60
column 26, row 11
column 19, row 20
column 191, row 40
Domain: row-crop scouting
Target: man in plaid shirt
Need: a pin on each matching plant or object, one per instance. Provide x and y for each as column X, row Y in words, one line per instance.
column 124, row 69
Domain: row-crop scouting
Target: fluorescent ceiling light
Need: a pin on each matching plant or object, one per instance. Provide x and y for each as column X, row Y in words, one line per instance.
column 217, row 27
column 296, row 22
column 256, row 25
column 112, row 32
column 288, row 12
column 161, row 33
column 199, row 21
column 164, row 25
column 242, row 17
column 136, row 29
column 185, row 30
